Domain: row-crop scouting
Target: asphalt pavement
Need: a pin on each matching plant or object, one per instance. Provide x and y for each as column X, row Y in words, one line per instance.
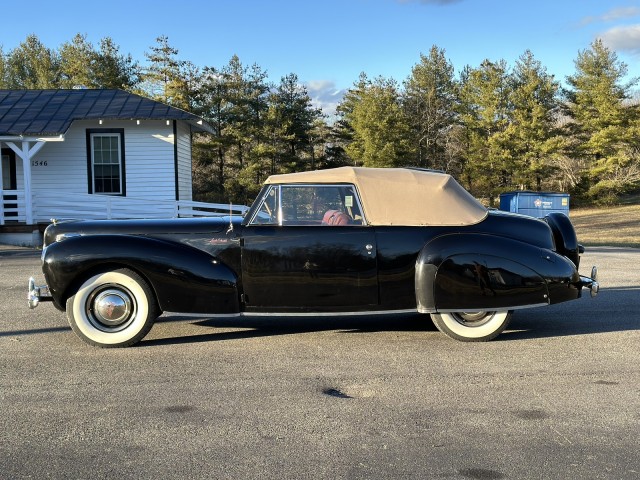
column 556, row 396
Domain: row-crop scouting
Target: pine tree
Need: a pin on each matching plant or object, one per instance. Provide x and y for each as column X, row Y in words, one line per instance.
column 234, row 100
column 210, row 153
column 484, row 115
column 3, row 69
column 321, row 140
column 292, row 119
column 32, row 65
column 429, row 101
column 162, row 77
column 603, row 122
column 77, row 63
column 113, row 69
column 342, row 132
column 380, row 126
column 531, row 138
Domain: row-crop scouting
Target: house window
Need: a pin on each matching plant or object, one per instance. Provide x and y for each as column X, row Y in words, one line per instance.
column 106, row 161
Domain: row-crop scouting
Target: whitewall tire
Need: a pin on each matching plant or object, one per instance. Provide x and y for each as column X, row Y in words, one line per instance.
column 472, row 326
column 112, row 309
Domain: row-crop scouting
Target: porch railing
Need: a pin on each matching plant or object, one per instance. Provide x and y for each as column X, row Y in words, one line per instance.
column 104, row 207
column 12, row 207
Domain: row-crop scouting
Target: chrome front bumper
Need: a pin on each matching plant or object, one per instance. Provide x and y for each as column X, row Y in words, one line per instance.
column 37, row 294
column 591, row 282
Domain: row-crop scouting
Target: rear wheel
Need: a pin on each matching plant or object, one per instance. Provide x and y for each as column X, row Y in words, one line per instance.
column 472, row 326
column 112, row 309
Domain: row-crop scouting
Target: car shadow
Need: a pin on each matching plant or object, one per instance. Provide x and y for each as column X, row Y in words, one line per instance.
column 614, row 310
column 19, row 252
column 33, row 331
column 255, row 326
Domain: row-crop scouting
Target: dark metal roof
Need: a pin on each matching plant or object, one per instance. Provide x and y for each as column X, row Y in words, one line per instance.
column 51, row 112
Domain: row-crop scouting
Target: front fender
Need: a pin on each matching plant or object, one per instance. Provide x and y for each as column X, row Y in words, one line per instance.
column 183, row 278
column 467, row 272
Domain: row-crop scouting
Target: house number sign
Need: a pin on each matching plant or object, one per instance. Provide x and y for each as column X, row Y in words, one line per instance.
column 38, row 163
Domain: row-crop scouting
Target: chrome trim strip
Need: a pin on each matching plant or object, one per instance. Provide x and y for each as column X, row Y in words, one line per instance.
column 304, row 314
column 279, row 187
column 327, row 314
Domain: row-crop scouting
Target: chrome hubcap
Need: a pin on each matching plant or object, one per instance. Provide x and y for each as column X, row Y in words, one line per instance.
column 111, row 309
column 473, row 319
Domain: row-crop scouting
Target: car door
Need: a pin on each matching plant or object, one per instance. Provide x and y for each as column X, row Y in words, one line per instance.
column 307, row 248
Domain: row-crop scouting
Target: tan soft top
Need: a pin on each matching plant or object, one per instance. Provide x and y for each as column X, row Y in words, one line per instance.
column 400, row 196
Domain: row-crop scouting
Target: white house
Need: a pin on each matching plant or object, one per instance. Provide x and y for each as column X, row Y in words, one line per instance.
column 91, row 154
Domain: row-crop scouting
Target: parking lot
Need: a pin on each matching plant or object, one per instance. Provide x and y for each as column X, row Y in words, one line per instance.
column 556, row 396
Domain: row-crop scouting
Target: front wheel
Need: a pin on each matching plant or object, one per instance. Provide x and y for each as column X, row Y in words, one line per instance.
column 112, row 309
column 472, row 326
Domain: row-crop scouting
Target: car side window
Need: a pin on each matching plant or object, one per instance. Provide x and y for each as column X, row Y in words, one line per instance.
column 267, row 214
column 334, row 205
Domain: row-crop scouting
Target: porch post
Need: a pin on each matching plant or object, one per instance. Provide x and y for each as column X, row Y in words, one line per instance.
column 26, row 167
column 26, row 153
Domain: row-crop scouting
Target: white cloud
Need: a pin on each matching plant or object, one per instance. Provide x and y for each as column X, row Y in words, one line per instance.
column 324, row 94
column 613, row 15
column 623, row 39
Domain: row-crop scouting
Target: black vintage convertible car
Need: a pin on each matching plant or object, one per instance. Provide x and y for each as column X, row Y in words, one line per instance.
column 340, row 240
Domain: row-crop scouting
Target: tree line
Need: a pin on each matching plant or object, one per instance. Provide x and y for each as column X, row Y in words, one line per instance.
column 494, row 127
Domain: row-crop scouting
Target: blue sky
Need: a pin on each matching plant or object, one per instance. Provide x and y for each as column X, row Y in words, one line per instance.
column 328, row 43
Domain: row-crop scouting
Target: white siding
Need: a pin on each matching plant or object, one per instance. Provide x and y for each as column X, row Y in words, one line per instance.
column 184, row 162
column 66, row 168
column 148, row 160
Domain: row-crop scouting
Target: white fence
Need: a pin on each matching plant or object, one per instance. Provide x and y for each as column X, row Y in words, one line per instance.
column 202, row 209
column 104, row 207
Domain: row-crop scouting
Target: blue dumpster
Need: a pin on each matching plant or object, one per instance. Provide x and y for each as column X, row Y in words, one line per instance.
column 534, row 204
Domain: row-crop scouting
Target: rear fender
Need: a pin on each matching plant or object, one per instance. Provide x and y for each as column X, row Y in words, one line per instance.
column 564, row 236
column 467, row 272
column 183, row 278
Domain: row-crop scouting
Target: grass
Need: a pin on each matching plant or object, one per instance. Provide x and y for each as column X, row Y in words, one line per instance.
column 613, row 226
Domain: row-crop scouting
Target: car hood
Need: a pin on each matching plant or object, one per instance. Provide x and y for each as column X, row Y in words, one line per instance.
column 150, row 228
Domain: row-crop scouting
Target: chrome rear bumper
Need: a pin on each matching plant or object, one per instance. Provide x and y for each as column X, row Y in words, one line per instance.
column 37, row 294
column 591, row 282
